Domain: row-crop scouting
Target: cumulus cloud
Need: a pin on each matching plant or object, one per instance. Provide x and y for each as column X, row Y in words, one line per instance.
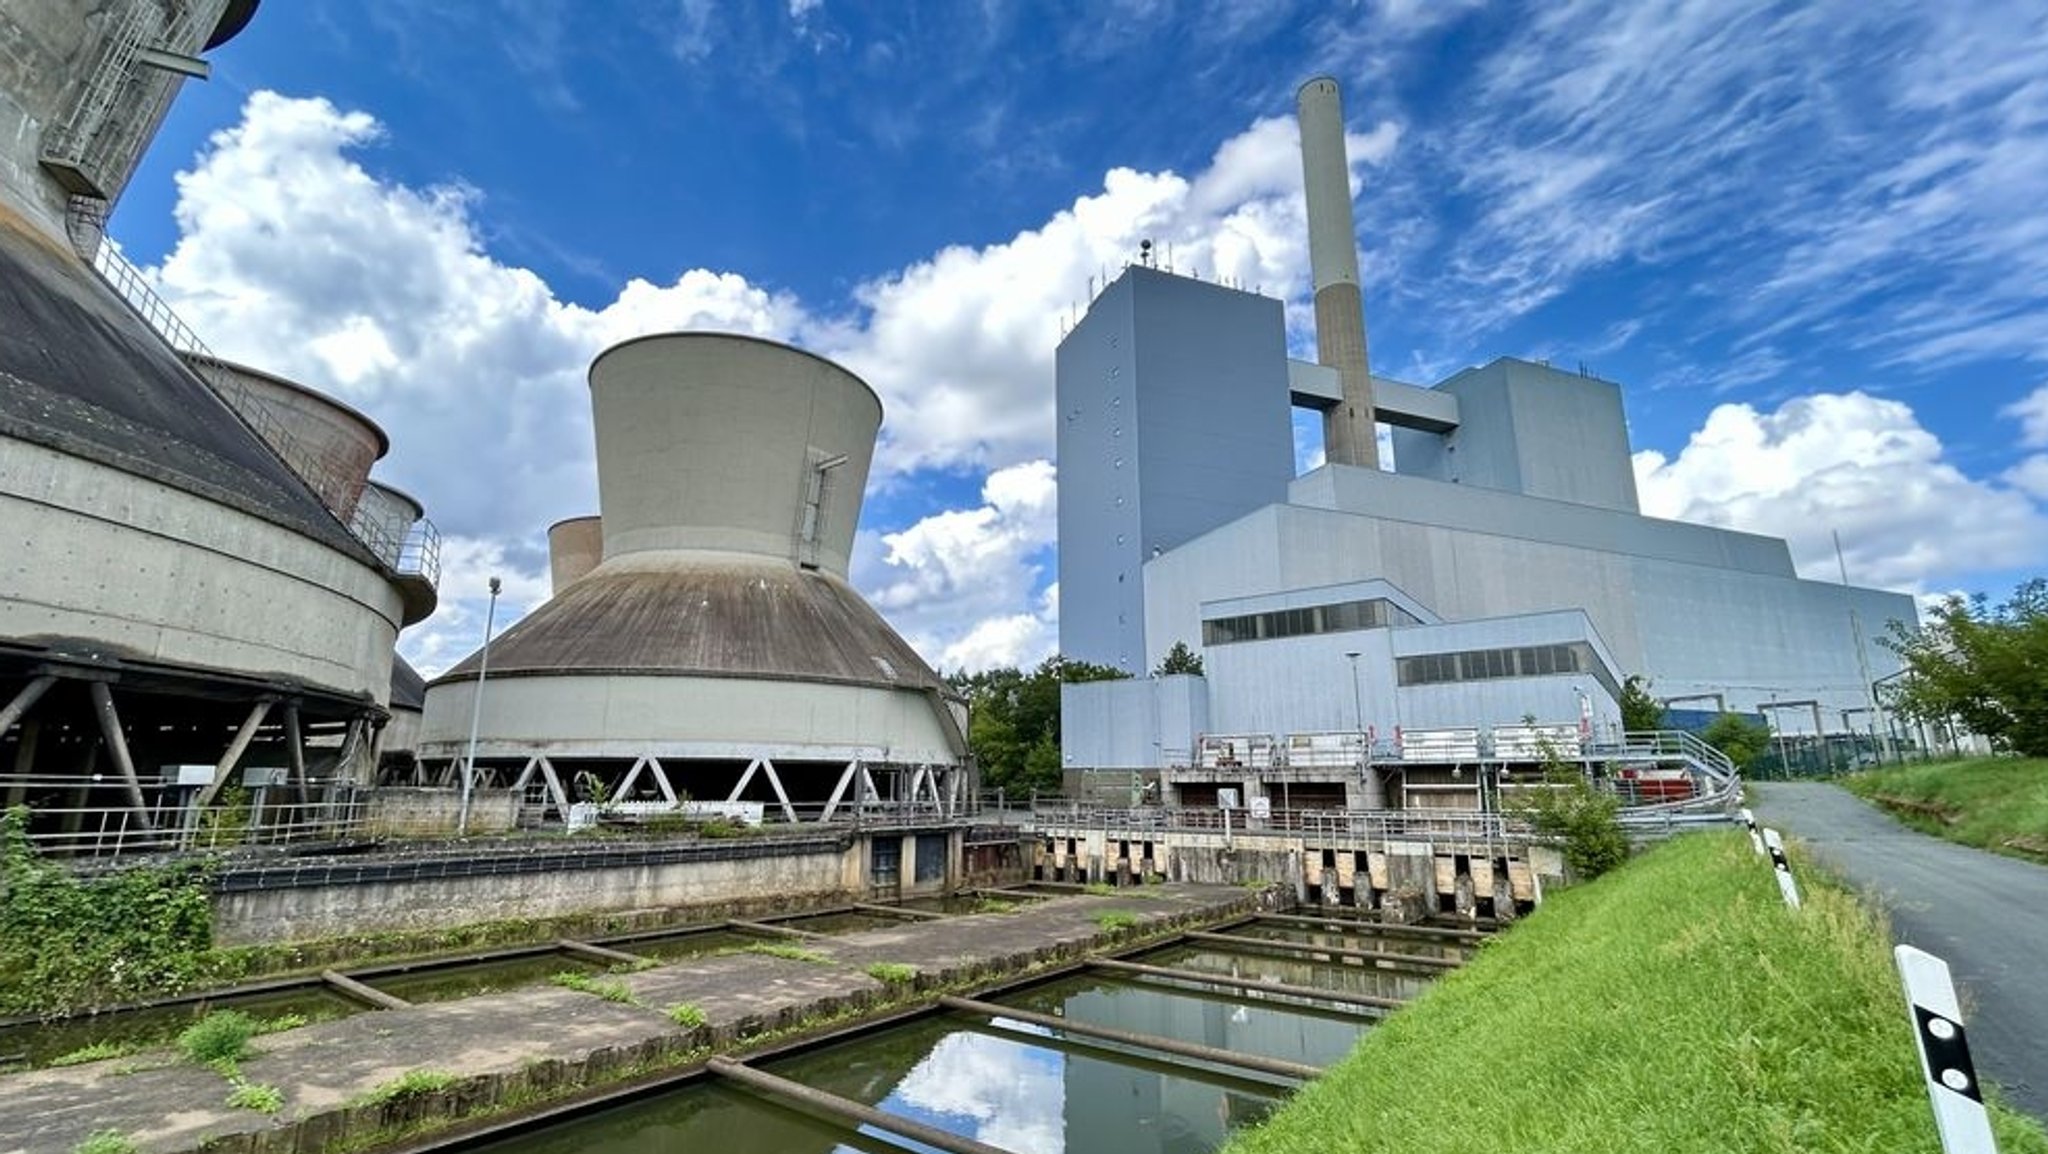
column 1851, row 463
column 295, row 257
column 2032, row 414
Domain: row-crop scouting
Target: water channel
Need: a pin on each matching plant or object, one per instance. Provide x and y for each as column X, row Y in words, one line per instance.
column 1013, row 1085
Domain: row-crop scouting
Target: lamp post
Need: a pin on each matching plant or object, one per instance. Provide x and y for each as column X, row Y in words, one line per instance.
column 1375, row 793
column 476, row 714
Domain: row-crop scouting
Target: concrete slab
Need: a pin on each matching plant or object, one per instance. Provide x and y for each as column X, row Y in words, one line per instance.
column 549, row 1040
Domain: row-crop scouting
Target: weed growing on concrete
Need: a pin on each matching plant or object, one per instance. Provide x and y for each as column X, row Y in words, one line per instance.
column 281, row 1023
column 1099, row 890
column 411, row 1084
column 256, row 1096
column 609, row 991
column 892, row 973
column 997, row 906
column 105, row 1142
column 1116, row 920
column 98, row 1051
column 788, row 952
column 219, row 1039
column 633, row 967
column 687, row 1015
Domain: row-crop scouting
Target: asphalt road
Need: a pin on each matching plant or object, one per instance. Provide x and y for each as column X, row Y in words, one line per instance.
column 1986, row 915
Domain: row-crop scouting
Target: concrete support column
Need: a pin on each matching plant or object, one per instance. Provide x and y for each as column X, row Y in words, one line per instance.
column 28, row 696
column 236, row 748
column 117, row 745
column 24, row 761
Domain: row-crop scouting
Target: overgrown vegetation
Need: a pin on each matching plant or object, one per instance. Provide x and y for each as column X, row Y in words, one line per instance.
column 97, row 1052
column 220, row 1039
column 1014, row 721
column 1099, row 890
column 67, row 940
column 1640, row 712
column 996, row 906
column 1994, row 803
column 1675, row 1005
column 788, row 952
column 1738, row 738
column 1116, row 920
column 105, row 1142
column 609, row 990
column 409, row 1085
column 688, row 1015
column 1984, row 665
column 256, row 1096
column 1584, row 822
column 892, row 973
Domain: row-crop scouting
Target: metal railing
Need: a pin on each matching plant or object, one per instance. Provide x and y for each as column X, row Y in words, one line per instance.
column 77, row 829
column 409, row 550
column 1327, row 825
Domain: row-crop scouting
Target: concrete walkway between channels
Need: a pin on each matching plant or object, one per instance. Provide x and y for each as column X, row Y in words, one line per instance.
column 1986, row 915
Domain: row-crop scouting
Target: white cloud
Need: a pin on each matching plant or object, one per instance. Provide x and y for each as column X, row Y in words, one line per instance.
column 959, row 583
column 296, row 258
column 2031, row 412
column 1850, row 463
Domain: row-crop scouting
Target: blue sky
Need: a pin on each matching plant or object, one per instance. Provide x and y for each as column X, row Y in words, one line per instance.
column 1806, row 239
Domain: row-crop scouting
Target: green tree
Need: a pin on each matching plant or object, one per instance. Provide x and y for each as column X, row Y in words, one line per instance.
column 1639, row 710
column 1013, row 726
column 1983, row 665
column 1179, row 659
column 1741, row 740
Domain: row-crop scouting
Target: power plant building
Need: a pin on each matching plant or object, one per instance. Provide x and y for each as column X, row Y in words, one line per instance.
column 1501, row 571
column 703, row 640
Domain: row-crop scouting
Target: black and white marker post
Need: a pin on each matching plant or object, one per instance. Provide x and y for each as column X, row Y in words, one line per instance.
column 1786, row 885
column 1944, row 1054
column 1756, row 840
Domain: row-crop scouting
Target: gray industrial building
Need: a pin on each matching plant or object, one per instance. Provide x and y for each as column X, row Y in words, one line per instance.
column 1501, row 570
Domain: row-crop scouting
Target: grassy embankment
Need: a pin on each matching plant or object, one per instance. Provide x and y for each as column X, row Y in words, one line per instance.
column 1671, row 1006
column 1994, row 803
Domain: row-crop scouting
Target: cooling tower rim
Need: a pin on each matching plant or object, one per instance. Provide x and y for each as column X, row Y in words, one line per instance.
column 418, row 509
column 714, row 335
column 305, row 390
column 575, row 519
column 1318, row 78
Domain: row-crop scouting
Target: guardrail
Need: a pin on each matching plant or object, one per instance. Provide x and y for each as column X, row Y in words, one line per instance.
column 333, row 811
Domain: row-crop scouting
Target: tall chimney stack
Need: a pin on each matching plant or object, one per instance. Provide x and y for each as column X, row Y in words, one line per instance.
column 1348, row 434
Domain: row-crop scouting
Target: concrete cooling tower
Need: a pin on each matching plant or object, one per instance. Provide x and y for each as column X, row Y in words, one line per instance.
column 716, row 650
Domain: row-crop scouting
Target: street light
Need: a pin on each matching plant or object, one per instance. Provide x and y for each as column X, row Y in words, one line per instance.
column 1375, row 793
column 476, row 714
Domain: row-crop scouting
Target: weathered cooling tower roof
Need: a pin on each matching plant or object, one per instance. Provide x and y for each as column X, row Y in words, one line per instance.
column 723, row 615
column 82, row 375
column 408, row 688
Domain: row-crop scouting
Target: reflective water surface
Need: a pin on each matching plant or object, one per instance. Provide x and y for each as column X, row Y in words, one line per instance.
column 1349, row 977
column 467, row 979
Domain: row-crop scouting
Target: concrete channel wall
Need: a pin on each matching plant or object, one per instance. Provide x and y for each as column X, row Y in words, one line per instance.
column 341, row 897
column 1404, row 879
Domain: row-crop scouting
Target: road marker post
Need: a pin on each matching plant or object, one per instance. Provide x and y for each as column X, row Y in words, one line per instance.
column 1756, row 840
column 1944, row 1054
column 1786, row 885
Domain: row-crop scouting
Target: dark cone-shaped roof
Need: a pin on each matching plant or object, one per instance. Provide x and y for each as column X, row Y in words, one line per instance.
column 707, row 615
column 82, row 374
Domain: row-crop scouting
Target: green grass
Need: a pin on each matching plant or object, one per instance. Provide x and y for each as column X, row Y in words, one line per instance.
column 996, row 906
column 219, row 1039
column 97, row 1052
column 256, row 1096
column 892, row 973
column 1994, row 803
column 411, row 1084
column 1114, row 920
column 788, row 953
column 1099, row 890
column 1674, row 1005
column 105, row 1142
column 610, row 991
column 687, row 1015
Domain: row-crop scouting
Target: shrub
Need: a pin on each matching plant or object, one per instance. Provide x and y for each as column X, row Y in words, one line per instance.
column 1583, row 821
column 256, row 1096
column 219, row 1039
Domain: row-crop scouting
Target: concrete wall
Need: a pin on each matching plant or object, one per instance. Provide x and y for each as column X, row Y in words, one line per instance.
column 709, row 441
column 593, row 715
column 155, row 572
column 809, row 874
column 396, row 811
column 1173, row 418
column 47, row 56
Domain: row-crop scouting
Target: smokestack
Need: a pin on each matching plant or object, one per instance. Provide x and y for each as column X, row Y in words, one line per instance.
column 1348, row 436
